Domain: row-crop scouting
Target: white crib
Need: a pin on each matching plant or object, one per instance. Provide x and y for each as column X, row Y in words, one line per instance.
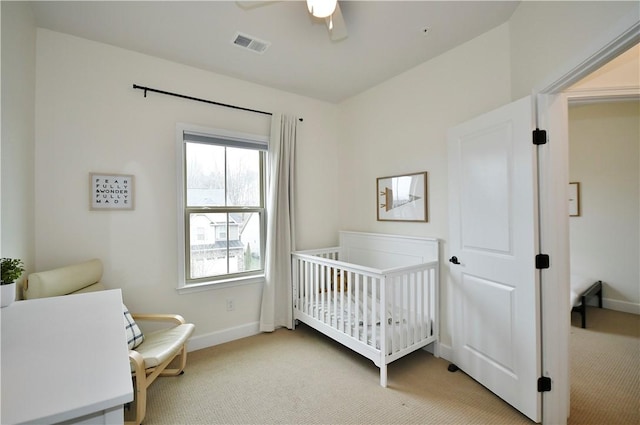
column 344, row 292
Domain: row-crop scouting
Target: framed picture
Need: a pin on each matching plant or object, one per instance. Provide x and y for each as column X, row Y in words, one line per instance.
column 574, row 199
column 110, row 191
column 402, row 198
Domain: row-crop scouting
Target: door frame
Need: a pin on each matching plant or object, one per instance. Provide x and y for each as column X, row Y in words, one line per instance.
column 552, row 115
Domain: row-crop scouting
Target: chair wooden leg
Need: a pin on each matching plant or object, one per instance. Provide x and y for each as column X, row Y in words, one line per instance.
column 182, row 356
column 141, row 405
column 139, row 401
column 143, row 378
column 140, row 384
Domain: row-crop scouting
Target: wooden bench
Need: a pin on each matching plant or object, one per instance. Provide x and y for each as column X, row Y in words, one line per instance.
column 593, row 290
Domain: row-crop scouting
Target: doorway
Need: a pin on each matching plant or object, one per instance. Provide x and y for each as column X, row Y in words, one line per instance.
column 603, row 160
column 553, row 116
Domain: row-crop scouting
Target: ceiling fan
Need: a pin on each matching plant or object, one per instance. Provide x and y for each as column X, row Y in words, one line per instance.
column 329, row 10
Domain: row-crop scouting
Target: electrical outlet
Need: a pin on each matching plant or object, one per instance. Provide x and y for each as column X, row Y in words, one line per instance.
column 231, row 304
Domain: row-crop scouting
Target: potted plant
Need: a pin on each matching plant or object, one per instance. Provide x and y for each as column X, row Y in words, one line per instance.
column 11, row 270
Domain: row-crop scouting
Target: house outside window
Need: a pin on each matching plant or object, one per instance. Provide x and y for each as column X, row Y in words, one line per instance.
column 201, row 234
column 222, row 206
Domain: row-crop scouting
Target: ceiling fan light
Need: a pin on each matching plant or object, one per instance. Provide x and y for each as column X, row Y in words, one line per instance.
column 321, row 8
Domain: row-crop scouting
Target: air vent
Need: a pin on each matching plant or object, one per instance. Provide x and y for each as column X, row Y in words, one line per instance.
column 251, row 43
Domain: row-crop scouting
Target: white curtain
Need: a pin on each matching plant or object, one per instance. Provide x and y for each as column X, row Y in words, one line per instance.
column 277, row 307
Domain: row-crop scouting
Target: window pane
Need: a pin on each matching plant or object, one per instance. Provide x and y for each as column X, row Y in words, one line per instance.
column 205, row 166
column 243, row 177
column 250, row 237
column 231, row 243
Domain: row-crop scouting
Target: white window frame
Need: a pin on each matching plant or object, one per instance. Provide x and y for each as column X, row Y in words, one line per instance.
column 218, row 283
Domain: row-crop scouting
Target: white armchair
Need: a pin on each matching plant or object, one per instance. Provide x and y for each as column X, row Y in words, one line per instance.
column 151, row 357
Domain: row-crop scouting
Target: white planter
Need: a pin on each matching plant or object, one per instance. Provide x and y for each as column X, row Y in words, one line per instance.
column 7, row 294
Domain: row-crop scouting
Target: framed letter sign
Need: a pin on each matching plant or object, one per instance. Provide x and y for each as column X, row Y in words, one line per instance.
column 110, row 191
column 402, row 198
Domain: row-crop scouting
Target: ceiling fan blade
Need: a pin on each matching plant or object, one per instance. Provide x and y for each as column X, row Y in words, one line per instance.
column 246, row 5
column 336, row 25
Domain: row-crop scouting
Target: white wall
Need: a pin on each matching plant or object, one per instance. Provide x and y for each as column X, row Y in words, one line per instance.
column 18, row 117
column 90, row 119
column 550, row 38
column 621, row 73
column 604, row 158
column 400, row 127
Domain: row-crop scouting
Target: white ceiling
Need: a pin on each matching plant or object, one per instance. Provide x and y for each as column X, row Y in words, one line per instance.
column 385, row 39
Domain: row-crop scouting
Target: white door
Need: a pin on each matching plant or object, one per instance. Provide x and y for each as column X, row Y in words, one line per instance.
column 493, row 235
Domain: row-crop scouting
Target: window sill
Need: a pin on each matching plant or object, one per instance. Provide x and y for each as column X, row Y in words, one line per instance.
column 220, row 284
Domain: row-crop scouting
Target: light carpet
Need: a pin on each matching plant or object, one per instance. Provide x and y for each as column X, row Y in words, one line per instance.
column 303, row 377
column 605, row 368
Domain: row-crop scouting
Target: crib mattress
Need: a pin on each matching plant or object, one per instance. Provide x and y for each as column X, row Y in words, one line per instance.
column 339, row 316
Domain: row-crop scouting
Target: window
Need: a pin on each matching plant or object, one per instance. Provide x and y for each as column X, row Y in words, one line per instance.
column 222, row 206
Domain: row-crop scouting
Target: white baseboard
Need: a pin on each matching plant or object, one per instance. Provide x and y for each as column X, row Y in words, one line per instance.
column 220, row 337
column 623, row 306
column 227, row 335
column 431, row 348
column 445, row 352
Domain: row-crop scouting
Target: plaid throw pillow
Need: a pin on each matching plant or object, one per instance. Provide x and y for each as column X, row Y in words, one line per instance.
column 134, row 334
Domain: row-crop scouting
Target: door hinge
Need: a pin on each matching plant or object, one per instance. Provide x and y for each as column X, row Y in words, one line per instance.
column 542, row 261
column 539, row 137
column 544, row 384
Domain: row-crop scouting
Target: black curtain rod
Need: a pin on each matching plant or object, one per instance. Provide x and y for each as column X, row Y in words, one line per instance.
column 146, row 89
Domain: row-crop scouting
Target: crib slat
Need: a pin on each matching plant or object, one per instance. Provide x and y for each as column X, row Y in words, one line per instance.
column 313, row 291
column 392, row 308
column 415, row 314
column 375, row 290
column 336, row 300
column 311, row 284
column 422, row 292
column 383, row 317
column 322, row 294
column 429, row 304
column 399, row 294
column 356, row 322
column 349, row 323
column 305, row 281
column 402, row 306
column 316, row 290
column 319, row 293
column 433, row 290
column 365, row 319
column 434, row 306
column 404, row 324
column 417, row 328
column 342, row 301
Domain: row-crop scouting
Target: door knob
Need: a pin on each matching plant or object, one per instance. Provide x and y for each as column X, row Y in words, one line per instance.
column 454, row 260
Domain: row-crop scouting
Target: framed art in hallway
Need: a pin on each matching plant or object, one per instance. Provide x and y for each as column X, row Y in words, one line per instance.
column 111, row 191
column 574, row 199
column 402, row 198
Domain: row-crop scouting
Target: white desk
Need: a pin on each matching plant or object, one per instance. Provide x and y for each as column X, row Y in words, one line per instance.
column 65, row 359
